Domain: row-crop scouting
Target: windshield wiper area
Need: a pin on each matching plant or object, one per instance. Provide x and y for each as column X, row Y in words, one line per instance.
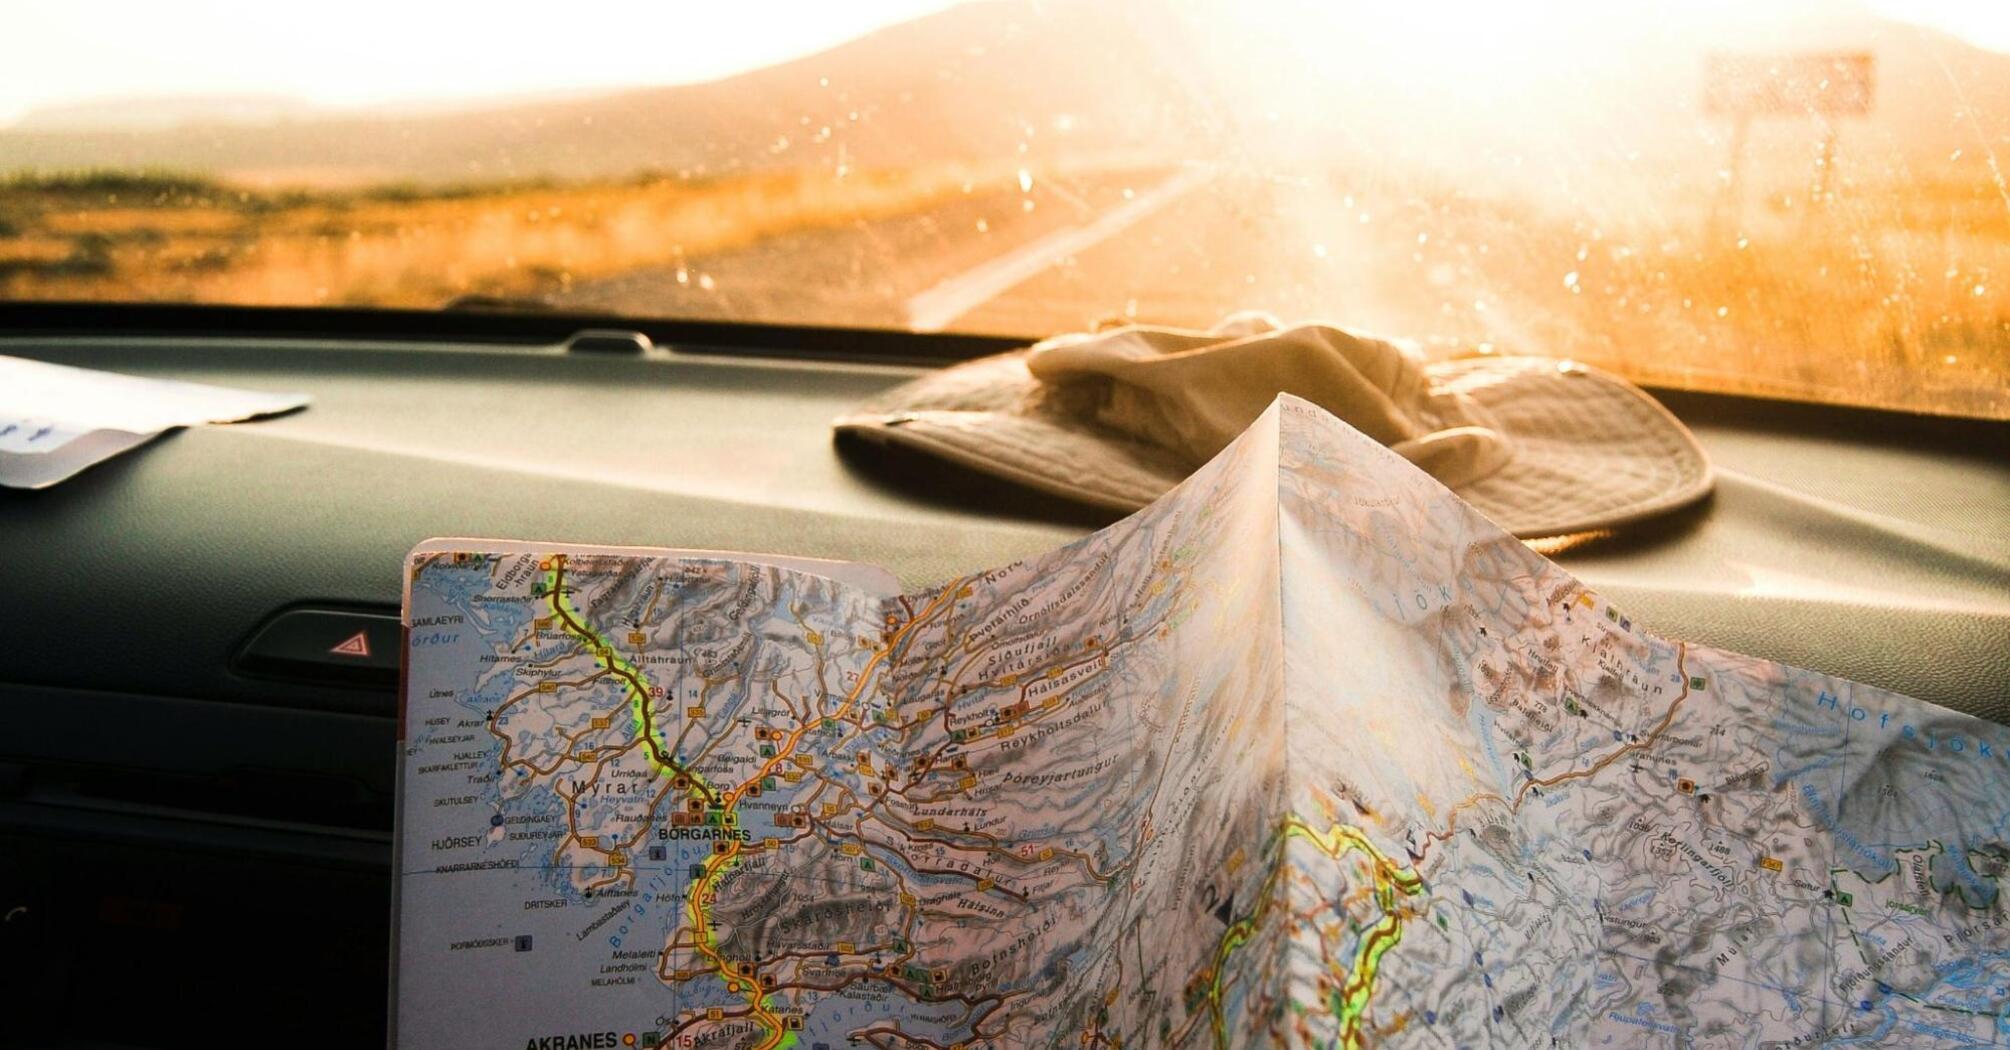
column 498, row 304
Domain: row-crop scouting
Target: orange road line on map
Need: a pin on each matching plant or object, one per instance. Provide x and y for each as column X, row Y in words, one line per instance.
column 776, row 1032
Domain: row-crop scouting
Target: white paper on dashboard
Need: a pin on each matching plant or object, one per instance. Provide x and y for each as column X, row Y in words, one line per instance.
column 56, row 420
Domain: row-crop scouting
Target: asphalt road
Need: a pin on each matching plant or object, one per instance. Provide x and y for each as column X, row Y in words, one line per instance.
column 1182, row 246
column 863, row 273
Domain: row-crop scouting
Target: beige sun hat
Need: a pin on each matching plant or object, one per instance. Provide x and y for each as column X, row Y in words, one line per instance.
column 1114, row 419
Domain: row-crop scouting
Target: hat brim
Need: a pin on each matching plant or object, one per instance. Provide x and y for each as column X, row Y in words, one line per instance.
column 1591, row 451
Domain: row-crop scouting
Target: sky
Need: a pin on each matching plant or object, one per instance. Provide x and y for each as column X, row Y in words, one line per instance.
column 371, row 52
column 1982, row 22
column 364, row 52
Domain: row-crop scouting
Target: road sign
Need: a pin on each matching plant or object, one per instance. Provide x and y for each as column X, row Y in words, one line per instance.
column 1820, row 84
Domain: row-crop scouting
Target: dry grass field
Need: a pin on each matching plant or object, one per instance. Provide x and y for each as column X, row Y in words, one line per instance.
column 1894, row 293
column 175, row 238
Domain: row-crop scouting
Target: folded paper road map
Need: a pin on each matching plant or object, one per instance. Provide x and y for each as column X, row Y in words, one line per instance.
column 1306, row 753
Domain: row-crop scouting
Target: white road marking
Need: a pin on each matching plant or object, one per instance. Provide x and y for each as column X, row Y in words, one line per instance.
column 934, row 309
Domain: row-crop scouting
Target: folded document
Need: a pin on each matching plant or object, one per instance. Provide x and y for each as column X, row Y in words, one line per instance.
column 56, row 420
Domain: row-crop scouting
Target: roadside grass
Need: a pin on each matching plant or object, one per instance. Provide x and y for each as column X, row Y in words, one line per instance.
column 1895, row 293
column 143, row 183
column 1885, row 300
column 168, row 236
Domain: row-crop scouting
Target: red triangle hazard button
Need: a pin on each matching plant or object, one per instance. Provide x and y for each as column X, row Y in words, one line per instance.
column 357, row 644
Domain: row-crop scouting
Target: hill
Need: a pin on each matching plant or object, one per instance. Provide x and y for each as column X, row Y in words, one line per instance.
column 970, row 83
column 1075, row 81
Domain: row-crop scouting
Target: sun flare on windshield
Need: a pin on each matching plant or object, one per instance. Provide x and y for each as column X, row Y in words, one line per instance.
column 1799, row 198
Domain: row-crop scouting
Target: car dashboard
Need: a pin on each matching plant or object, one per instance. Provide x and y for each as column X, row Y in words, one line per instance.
column 197, row 793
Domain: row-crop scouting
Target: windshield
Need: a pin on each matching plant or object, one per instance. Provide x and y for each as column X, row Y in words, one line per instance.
column 1785, row 197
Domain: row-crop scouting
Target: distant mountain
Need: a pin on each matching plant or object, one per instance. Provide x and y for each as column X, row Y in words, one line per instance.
column 973, row 82
column 151, row 114
column 1068, row 80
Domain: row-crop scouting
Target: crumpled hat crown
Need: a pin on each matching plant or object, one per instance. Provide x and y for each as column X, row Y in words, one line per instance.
column 1193, row 392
